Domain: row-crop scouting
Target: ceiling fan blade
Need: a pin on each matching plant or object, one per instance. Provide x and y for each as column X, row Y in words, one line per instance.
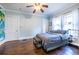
column 30, row 6
column 41, row 10
column 46, row 6
column 34, row 11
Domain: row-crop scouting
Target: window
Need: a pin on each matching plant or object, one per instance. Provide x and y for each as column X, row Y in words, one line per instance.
column 68, row 22
column 56, row 23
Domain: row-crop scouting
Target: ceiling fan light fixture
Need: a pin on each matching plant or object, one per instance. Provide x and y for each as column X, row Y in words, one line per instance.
column 38, row 7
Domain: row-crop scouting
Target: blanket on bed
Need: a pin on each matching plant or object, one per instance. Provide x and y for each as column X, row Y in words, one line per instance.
column 49, row 37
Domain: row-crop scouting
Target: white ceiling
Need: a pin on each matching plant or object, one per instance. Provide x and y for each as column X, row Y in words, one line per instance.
column 52, row 7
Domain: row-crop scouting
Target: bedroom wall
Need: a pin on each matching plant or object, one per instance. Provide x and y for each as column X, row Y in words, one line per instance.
column 22, row 26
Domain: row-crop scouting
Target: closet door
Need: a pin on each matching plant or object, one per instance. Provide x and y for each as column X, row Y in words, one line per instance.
column 11, row 26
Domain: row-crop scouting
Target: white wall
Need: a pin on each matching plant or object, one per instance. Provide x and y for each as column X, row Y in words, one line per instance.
column 30, row 26
column 22, row 26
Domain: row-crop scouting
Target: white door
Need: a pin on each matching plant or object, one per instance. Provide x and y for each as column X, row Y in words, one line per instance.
column 11, row 27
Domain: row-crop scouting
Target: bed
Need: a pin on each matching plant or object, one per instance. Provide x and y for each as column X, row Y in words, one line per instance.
column 51, row 40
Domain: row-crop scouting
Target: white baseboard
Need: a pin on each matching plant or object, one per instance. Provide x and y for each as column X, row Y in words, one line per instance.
column 26, row 37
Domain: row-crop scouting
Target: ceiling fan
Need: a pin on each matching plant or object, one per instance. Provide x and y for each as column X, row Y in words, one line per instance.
column 38, row 6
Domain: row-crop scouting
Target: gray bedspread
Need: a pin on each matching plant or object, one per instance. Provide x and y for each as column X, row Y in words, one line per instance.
column 49, row 37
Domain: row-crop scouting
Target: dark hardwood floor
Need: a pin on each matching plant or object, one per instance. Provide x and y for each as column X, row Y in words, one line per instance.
column 26, row 47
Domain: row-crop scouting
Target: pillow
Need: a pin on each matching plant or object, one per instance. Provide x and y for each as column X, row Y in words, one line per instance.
column 58, row 31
